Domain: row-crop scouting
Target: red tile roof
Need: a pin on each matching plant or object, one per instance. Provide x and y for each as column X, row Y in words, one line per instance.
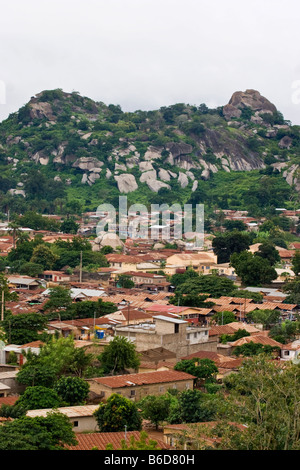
column 147, row 378
column 100, row 440
column 262, row 339
column 11, row 400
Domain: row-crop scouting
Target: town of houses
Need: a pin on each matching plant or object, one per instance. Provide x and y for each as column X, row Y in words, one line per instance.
column 163, row 333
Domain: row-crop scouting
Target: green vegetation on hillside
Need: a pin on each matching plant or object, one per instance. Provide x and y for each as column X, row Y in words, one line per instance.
column 41, row 143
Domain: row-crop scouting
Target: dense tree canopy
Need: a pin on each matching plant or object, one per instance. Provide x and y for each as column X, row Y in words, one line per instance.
column 117, row 413
column 36, row 398
column 200, row 368
column 57, row 358
column 265, row 397
column 120, row 354
column 155, row 408
column 253, row 270
column 72, row 390
column 206, row 284
column 23, row 328
column 51, row 433
column 228, row 243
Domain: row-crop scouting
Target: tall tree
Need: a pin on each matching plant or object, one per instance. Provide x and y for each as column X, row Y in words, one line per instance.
column 231, row 242
column 23, row 328
column 120, row 354
column 155, row 408
column 72, row 390
column 264, row 397
column 59, row 298
column 296, row 263
column 117, row 413
column 14, row 231
column 44, row 256
column 268, row 252
column 253, row 270
column 53, row 432
column 200, row 368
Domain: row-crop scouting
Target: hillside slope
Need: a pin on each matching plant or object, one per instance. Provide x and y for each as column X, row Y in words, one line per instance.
column 63, row 147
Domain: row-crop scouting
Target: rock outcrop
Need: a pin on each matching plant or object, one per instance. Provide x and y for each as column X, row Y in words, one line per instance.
column 247, row 99
column 40, row 110
column 87, row 163
column 107, row 239
column 183, row 180
column 126, row 183
column 156, row 185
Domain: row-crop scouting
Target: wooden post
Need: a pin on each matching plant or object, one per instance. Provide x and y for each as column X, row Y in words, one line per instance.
column 2, row 305
column 80, row 268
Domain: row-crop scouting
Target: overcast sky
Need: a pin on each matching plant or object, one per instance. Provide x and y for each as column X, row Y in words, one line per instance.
column 144, row 54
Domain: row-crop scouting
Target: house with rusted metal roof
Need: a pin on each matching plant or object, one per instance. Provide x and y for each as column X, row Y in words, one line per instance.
column 137, row 386
column 100, row 440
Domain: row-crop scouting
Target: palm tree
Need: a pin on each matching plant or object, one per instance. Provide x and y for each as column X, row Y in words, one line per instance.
column 14, row 230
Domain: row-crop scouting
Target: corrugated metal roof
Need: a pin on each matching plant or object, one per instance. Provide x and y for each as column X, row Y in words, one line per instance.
column 69, row 411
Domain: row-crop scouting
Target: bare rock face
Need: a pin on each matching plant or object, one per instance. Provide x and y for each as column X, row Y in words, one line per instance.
column 205, row 174
column 230, row 111
column 40, row 110
column 107, row 239
column 285, row 142
column 292, row 176
column 247, row 99
column 145, row 166
column 120, row 166
column 58, row 154
column 179, row 148
column 153, row 153
column 40, row 157
column 238, row 156
column 87, row 163
column 148, row 175
column 195, row 186
column 93, row 176
column 164, row 175
column 183, row 180
column 16, row 192
column 126, row 183
column 156, row 185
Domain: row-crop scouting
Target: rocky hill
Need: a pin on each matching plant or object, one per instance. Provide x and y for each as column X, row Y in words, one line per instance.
column 64, row 147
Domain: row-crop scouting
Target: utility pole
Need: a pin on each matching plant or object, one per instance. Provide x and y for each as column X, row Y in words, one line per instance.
column 80, row 268
column 2, row 305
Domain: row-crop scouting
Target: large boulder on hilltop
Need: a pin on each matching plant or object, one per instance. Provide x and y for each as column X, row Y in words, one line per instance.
column 230, row 111
column 40, row 110
column 247, row 99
